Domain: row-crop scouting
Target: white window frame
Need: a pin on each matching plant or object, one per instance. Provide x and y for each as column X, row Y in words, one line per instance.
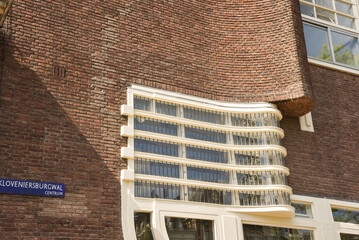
column 332, row 64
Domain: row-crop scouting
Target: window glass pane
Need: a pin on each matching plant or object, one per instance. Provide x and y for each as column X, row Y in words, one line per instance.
column 203, row 116
column 346, row 22
column 259, row 158
column 317, row 43
column 345, row 49
column 155, row 126
column 302, row 210
column 205, row 195
column 325, row 3
column 264, row 198
column 189, row 229
column 143, row 145
column 143, row 226
column 253, row 232
column 206, row 155
column 157, row 190
column 348, row 216
column 325, row 15
column 345, row 236
column 344, row 7
column 165, row 108
column 249, row 138
column 157, row 168
column 142, row 103
column 307, row 10
column 208, row 175
column 205, row 135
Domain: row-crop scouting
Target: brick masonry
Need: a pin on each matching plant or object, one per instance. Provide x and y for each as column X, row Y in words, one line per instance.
column 325, row 163
column 65, row 66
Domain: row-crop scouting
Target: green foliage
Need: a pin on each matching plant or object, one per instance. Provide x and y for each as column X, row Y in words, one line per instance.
column 347, row 57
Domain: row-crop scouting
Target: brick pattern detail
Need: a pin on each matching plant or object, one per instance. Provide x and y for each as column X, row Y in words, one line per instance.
column 325, row 163
column 66, row 127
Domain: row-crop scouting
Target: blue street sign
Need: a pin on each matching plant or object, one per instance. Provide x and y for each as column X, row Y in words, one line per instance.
column 45, row 189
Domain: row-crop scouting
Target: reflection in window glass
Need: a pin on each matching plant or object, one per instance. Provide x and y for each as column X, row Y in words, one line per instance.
column 150, row 146
column 207, row 175
column 307, row 10
column 157, row 190
column 302, row 210
column 189, row 229
column 209, row 196
column 149, row 125
column 206, row 154
column 317, row 42
column 345, row 21
column 165, row 108
column 205, row 135
column 343, row 215
column 253, row 232
column 325, row 3
column 345, row 236
column 143, row 226
column 158, row 168
column 345, row 49
column 142, row 103
column 325, row 15
column 344, row 7
column 203, row 115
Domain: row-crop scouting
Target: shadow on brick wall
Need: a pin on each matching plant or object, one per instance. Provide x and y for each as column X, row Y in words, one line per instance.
column 39, row 141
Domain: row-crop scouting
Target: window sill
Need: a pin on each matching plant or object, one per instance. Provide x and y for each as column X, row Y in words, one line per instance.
column 333, row 66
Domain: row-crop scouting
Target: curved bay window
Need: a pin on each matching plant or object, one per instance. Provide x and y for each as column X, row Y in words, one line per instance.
column 186, row 152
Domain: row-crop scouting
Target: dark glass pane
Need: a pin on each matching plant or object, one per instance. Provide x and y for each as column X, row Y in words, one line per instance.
column 209, row 196
column 302, row 210
column 253, row 232
column 189, row 229
column 348, row 216
column 150, row 146
column 317, row 43
column 157, row 190
column 165, row 108
column 307, row 10
column 203, row 116
column 345, row 236
column 206, row 155
column 142, row 104
column 143, row 166
column 345, row 49
column 143, row 226
column 208, row 175
column 155, row 126
column 205, row 135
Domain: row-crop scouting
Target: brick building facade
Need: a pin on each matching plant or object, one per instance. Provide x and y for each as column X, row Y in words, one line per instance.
column 64, row 73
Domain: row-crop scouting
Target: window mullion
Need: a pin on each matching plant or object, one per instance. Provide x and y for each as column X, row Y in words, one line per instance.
column 331, row 47
column 182, row 154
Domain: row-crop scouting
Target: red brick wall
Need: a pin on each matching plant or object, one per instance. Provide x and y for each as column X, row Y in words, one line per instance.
column 325, row 163
column 65, row 127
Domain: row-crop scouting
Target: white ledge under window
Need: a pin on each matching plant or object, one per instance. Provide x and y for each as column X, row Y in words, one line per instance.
column 333, row 66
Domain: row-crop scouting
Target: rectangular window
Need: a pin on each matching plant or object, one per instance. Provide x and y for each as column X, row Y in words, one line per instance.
column 189, row 229
column 345, row 236
column 303, row 210
column 143, row 226
column 331, row 31
column 345, row 215
column 253, row 232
